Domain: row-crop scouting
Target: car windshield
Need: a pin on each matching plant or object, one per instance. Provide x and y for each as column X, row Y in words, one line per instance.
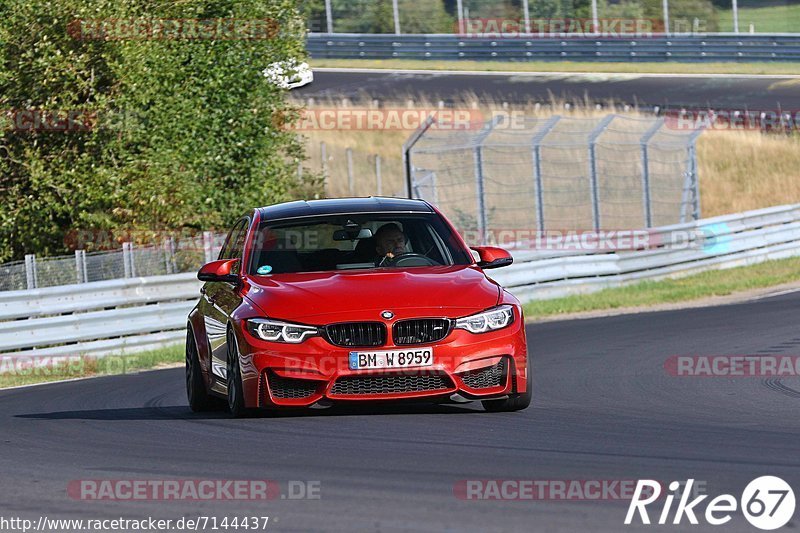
column 358, row 241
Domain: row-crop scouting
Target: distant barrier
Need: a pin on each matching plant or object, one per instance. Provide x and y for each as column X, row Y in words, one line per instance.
column 656, row 48
column 728, row 241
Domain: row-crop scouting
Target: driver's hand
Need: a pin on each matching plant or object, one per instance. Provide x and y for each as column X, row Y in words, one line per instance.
column 387, row 257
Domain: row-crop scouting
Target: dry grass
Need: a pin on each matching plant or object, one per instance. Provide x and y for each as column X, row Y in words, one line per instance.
column 365, row 144
column 739, row 170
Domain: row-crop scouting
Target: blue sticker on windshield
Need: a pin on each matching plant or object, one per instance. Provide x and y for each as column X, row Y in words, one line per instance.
column 266, row 269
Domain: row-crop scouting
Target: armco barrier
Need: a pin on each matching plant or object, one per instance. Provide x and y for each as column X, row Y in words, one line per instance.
column 709, row 48
column 730, row 241
column 117, row 316
column 128, row 315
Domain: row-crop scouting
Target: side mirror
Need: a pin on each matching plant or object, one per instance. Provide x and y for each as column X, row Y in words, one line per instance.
column 219, row 271
column 493, row 257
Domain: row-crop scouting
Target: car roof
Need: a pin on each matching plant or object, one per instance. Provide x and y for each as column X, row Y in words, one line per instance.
column 338, row 206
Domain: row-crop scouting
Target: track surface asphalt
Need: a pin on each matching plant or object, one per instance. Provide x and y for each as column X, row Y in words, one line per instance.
column 724, row 92
column 604, row 408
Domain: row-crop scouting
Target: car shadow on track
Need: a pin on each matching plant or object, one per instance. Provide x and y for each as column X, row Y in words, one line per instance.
column 180, row 412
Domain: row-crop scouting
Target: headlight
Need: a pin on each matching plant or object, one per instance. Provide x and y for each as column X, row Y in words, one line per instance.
column 276, row 331
column 490, row 320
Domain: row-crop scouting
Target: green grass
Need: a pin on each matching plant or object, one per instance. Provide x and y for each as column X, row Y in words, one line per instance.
column 772, row 19
column 566, row 66
column 56, row 369
column 649, row 293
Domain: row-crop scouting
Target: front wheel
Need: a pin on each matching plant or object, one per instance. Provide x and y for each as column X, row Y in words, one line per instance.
column 234, row 375
column 196, row 392
column 517, row 403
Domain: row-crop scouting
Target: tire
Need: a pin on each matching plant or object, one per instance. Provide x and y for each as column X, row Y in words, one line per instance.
column 199, row 399
column 236, row 404
column 515, row 403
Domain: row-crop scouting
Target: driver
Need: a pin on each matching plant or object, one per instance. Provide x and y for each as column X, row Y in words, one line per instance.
column 390, row 241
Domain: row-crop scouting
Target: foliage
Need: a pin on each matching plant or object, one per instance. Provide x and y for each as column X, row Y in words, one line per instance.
column 376, row 16
column 181, row 132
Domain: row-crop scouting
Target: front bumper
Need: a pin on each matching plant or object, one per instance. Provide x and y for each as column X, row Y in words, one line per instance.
column 466, row 366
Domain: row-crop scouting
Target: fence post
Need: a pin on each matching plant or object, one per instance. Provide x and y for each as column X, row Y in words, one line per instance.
column 172, row 255
column 323, row 150
column 85, row 270
column 526, row 16
column 537, row 167
column 79, row 266
column 350, row 179
column 378, row 179
column 593, row 136
column 480, row 189
column 695, row 182
column 396, row 15
column 127, row 259
column 329, row 15
column 208, row 246
column 646, row 192
column 407, row 147
column 31, row 276
column 691, row 185
column 481, row 194
column 169, row 255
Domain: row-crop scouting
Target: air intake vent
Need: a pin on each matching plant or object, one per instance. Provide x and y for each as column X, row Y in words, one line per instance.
column 377, row 385
column 420, row 331
column 484, row 378
column 291, row 388
column 356, row 334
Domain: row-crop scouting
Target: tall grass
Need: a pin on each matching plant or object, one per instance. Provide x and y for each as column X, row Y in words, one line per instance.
column 743, row 170
column 768, row 19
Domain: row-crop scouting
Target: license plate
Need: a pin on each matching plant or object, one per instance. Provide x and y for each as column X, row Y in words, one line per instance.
column 391, row 359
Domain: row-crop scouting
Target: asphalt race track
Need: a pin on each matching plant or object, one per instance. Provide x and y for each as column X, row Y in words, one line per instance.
column 604, row 409
column 666, row 91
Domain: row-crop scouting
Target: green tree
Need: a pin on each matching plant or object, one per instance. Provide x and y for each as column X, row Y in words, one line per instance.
column 425, row 17
column 187, row 137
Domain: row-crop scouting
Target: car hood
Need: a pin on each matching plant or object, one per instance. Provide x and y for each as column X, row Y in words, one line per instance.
column 323, row 297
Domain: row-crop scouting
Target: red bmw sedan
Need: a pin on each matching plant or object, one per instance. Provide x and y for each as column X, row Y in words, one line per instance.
column 352, row 300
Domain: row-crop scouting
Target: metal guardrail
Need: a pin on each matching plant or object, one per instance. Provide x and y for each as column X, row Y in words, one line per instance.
column 122, row 316
column 709, row 47
column 729, row 241
column 97, row 318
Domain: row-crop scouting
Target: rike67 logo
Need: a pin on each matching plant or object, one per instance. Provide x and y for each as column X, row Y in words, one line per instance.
column 767, row 503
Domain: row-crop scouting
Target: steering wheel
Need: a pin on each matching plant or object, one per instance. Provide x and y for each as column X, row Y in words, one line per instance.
column 410, row 260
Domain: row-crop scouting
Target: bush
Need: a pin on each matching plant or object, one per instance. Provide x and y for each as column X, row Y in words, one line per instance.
column 184, row 135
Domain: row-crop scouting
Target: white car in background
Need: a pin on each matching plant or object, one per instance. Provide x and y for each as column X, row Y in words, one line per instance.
column 289, row 74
